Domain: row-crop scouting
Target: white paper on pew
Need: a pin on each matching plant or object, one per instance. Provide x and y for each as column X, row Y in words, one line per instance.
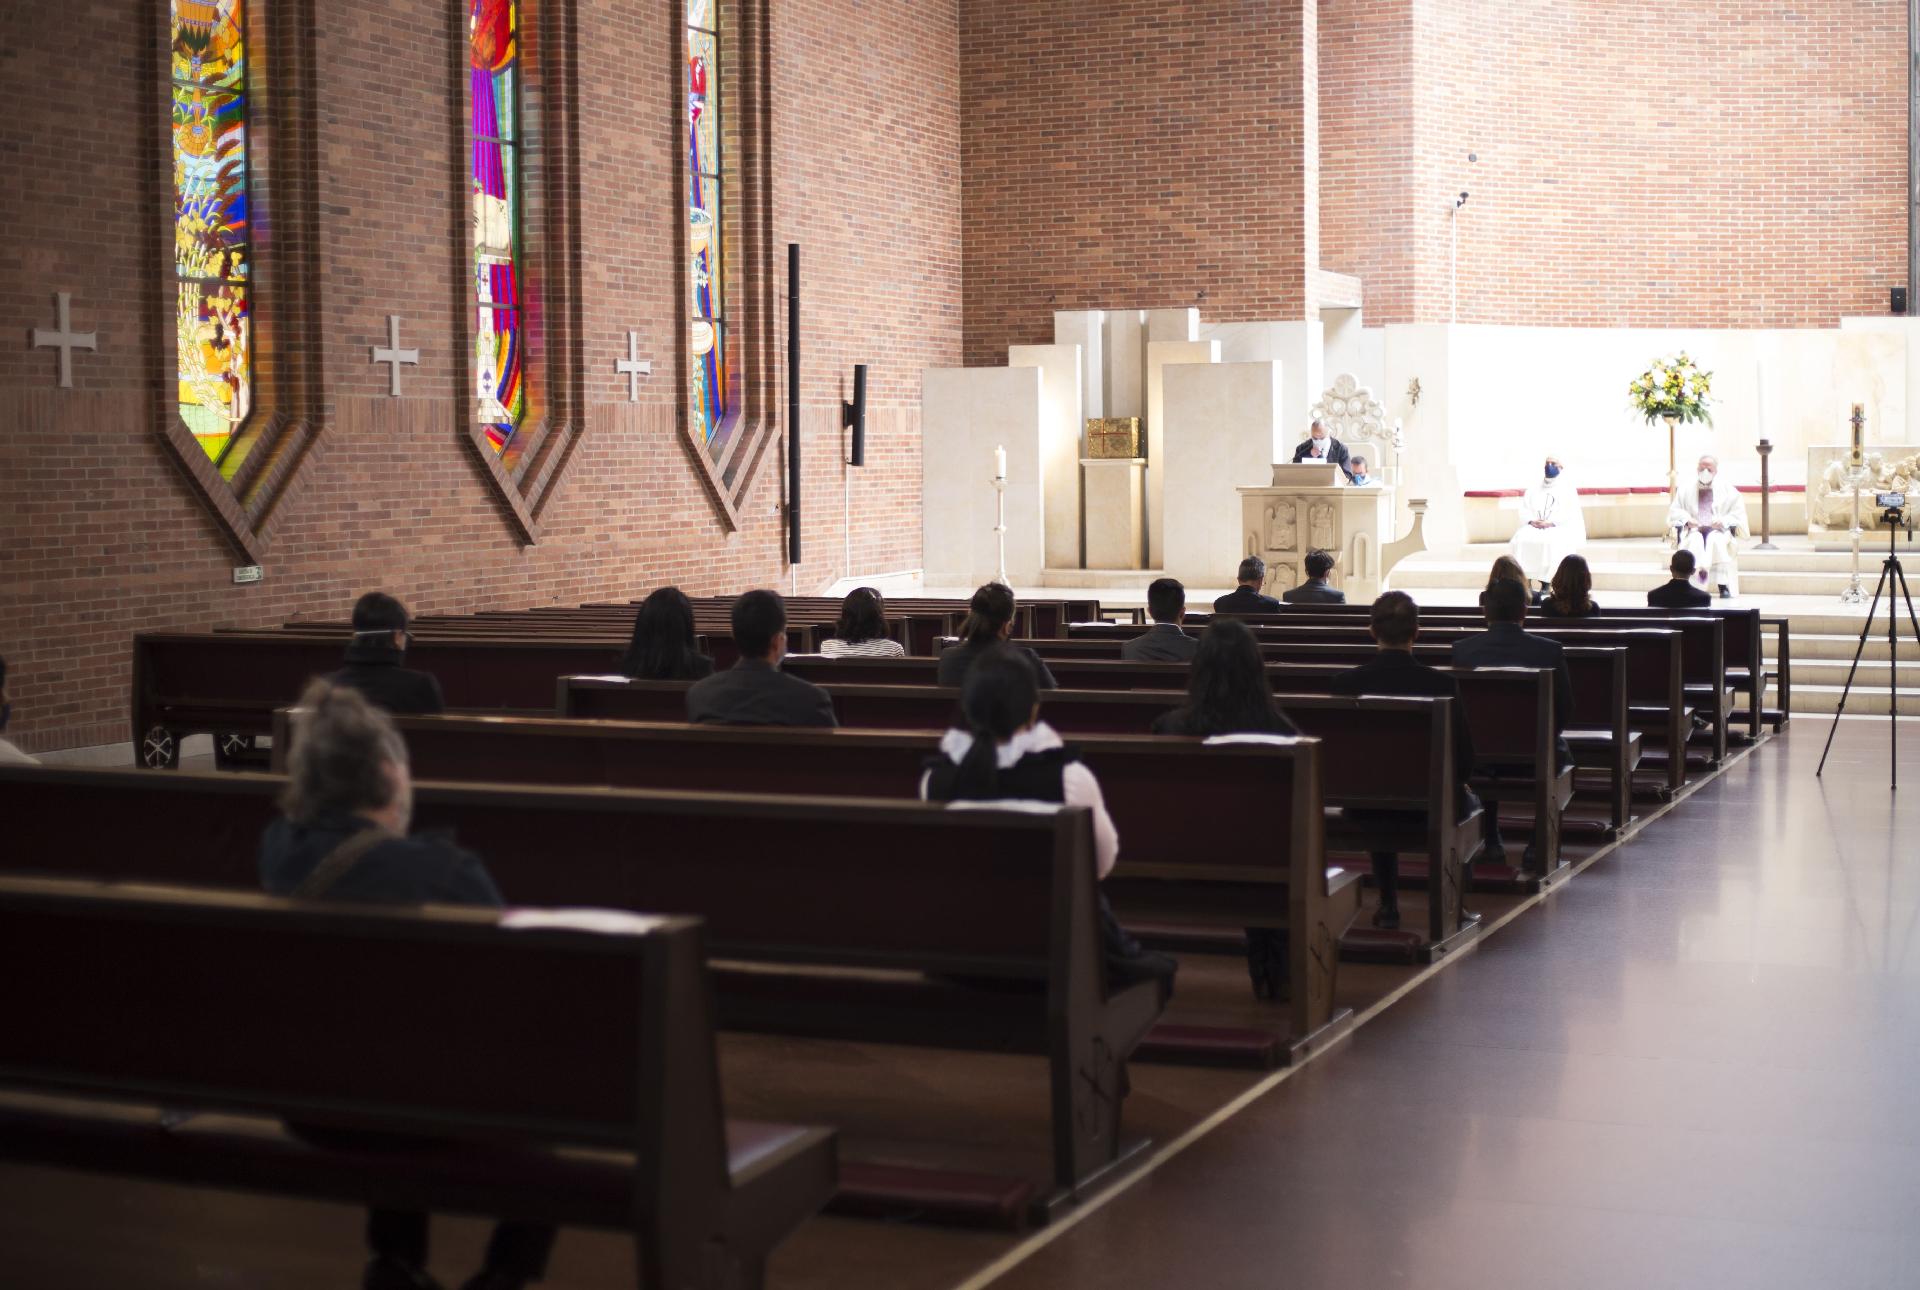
column 602, row 676
column 1507, row 667
column 1278, row 741
column 1028, row 805
column 607, row 922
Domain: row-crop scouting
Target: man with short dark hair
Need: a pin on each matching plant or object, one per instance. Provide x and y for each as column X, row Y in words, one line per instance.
column 375, row 655
column 1320, row 448
column 1246, row 598
column 1394, row 624
column 1506, row 643
column 9, row 754
column 1316, row 590
column 1163, row 642
column 754, row 691
column 1680, row 593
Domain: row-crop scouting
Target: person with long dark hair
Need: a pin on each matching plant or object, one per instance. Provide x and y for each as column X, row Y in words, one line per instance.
column 663, row 647
column 988, row 624
column 1228, row 694
column 1227, row 688
column 1006, row 753
column 1507, row 569
column 1571, row 593
column 861, row 631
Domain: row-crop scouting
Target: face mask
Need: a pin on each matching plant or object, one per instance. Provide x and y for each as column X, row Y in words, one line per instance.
column 1706, row 476
column 1553, row 471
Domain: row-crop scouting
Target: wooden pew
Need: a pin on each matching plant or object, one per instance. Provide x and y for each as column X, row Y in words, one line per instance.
column 931, row 904
column 1191, row 853
column 253, row 1011
column 1358, row 769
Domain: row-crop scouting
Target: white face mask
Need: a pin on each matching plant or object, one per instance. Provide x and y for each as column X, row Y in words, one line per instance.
column 1705, row 477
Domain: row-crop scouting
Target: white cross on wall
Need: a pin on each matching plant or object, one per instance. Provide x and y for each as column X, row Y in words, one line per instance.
column 393, row 355
column 633, row 367
column 65, row 338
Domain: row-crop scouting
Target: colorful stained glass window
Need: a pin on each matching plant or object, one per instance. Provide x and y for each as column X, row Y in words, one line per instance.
column 713, row 408
column 212, row 254
column 493, row 39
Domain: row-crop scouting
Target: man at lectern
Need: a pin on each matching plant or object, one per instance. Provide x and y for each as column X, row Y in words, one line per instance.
column 1320, row 447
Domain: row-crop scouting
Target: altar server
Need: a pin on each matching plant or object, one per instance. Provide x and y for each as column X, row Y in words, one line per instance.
column 1551, row 525
column 1706, row 516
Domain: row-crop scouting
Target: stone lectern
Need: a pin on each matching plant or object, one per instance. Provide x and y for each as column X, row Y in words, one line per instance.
column 1306, row 507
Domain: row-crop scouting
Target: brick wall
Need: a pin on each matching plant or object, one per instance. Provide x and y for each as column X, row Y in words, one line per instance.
column 1734, row 163
column 102, row 534
column 1130, row 152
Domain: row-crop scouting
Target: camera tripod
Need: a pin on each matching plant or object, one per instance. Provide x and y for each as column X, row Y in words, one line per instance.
column 1890, row 574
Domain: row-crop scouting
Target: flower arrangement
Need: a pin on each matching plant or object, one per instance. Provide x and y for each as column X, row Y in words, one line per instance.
column 1674, row 388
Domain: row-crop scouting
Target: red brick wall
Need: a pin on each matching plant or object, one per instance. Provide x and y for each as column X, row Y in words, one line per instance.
column 1734, row 163
column 102, row 535
column 1134, row 153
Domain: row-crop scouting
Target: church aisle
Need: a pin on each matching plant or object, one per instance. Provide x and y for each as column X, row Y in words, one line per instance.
column 1691, row 1066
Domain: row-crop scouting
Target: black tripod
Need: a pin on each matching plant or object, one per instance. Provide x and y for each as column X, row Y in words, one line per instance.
column 1890, row 573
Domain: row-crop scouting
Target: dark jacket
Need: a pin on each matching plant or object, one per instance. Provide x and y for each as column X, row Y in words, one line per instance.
column 1245, row 600
column 1315, row 593
column 1160, row 643
column 375, row 671
column 1534, row 598
column 1182, row 721
column 1546, row 609
column 403, row 871
column 690, row 666
column 1508, row 645
column 1336, row 452
column 1396, row 672
column 958, row 660
column 753, row 692
column 1679, row 594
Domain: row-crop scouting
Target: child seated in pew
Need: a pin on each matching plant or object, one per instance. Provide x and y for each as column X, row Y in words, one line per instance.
column 988, row 624
column 1394, row 624
column 343, row 837
column 1228, row 694
column 862, row 629
column 663, row 646
column 1007, row 753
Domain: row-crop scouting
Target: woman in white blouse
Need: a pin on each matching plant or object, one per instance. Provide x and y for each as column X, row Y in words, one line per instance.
column 862, row 629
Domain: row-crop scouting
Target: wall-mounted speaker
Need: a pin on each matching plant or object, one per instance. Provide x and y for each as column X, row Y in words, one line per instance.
column 853, row 416
column 1900, row 301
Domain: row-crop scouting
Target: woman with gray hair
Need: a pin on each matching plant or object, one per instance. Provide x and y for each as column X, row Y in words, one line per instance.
column 343, row 837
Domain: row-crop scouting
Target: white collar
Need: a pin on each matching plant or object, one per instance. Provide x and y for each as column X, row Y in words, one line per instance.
column 1039, row 737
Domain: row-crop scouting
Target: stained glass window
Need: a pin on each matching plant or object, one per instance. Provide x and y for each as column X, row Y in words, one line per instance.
column 713, row 409
column 493, row 39
column 211, row 222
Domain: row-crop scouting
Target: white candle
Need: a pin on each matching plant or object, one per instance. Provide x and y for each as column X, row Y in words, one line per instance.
column 1000, row 463
column 1760, row 394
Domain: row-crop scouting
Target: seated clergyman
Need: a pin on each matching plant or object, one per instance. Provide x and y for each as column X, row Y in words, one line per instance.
column 1705, row 518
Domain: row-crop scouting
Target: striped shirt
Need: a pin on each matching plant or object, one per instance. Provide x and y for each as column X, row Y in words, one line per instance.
column 874, row 647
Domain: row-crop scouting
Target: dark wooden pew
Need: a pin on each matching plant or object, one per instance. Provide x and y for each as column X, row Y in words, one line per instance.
column 1191, row 855
column 252, row 1011
column 935, row 902
column 1359, row 766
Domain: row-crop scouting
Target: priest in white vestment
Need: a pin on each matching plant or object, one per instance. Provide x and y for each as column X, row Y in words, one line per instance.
column 1706, row 517
column 1551, row 525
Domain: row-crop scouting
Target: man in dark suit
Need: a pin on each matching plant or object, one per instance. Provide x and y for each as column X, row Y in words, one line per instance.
column 374, row 658
column 1315, row 591
column 1506, row 643
column 1320, row 447
column 1163, row 642
column 754, row 691
column 1680, row 593
column 1394, row 625
column 1246, row 598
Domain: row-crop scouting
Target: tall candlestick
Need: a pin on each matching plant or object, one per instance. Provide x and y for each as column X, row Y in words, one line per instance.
column 1000, row 461
column 1859, row 420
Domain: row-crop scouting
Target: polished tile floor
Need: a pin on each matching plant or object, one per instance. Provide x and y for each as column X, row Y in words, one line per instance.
column 1695, row 1065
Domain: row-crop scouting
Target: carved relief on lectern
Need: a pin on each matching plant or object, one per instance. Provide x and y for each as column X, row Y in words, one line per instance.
column 1282, row 526
column 1320, row 526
